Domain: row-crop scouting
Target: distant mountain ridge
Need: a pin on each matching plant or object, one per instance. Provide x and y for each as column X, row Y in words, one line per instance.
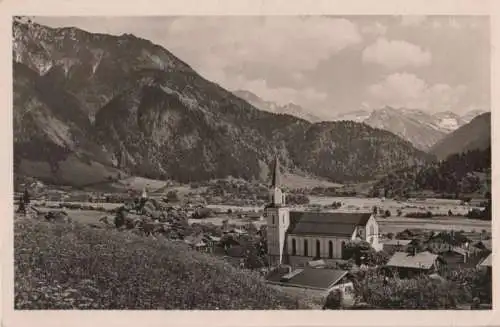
column 422, row 129
column 289, row 109
column 475, row 135
column 419, row 127
column 107, row 104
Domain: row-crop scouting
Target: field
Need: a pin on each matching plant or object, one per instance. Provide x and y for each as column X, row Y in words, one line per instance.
column 391, row 224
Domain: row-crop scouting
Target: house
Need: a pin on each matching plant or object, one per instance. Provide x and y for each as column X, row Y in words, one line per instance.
column 319, row 279
column 445, row 241
column 297, row 237
column 478, row 203
column 456, row 257
column 395, row 245
column 410, row 264
column 483, row 245
column 196, row 243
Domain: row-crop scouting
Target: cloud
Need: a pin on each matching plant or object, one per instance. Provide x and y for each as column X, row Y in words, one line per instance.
column 408, row 91
column 412, row 20
column 279, row 95
column 288, row 43
column 375, row 28
column 396, row 54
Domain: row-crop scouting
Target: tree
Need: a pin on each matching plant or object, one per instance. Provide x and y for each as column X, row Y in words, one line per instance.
column 387, row 214
column 26, row 197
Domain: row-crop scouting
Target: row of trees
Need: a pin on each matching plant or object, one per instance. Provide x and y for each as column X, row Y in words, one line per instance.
column 454, row 176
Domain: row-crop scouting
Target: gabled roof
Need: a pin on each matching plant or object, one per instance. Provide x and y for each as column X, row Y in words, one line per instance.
column 486, row 262
column 313, row 278
column 326, row 223
column 422, row 260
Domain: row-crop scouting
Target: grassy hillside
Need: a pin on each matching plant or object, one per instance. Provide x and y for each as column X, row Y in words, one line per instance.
column 78, row 267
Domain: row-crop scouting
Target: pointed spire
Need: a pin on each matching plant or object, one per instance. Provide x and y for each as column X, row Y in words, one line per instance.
column 276, row 181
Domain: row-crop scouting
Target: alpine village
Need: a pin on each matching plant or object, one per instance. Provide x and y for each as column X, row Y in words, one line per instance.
column 139, row 184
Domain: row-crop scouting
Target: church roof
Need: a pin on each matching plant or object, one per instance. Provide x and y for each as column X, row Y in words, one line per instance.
column 326, row 223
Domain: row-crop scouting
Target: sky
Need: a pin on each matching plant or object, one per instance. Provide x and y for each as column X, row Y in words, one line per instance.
column 327, row 64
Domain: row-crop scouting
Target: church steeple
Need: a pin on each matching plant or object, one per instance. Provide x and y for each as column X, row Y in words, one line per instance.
column 276, row 180
column 277, row 196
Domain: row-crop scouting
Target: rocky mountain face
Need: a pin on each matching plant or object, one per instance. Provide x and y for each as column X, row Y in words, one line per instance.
column 415, row 126
column 92, row 105
column 288, row 109
column 422, row 129
column 475, row 135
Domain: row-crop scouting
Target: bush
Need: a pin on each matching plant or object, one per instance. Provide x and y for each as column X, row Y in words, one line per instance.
column 77, row 267
column 202, row 213
column 427, row 214
column 419, row 293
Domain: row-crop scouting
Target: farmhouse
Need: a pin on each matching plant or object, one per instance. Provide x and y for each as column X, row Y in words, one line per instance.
column 323, row 280
column 295, row 238
column 409, row 264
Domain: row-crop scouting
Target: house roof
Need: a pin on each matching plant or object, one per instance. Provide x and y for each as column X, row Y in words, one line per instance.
column 314, row 278
column 422, row 260
column 486, row 262
column 326, row 223
column 486, row 244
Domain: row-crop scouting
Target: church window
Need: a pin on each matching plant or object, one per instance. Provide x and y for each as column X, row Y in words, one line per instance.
column 342, row 254
column 318, row 247
column 306, row 252
column 372, row 230
column 330, row 249
column 294, row 247
column 273, row 218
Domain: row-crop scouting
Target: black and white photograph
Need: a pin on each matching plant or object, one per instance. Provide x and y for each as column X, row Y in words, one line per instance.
column 259, row 162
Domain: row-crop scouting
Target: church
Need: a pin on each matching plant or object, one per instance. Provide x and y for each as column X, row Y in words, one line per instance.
column 297, row 237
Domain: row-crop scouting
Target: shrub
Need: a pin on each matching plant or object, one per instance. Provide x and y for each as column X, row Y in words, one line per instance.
column 427, row 214
column 77, row 267
column 422, row 292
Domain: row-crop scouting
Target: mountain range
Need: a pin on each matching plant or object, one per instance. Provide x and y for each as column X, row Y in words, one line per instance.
column 421, row 128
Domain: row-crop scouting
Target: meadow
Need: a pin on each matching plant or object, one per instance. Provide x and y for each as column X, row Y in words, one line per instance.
column 73, row 266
